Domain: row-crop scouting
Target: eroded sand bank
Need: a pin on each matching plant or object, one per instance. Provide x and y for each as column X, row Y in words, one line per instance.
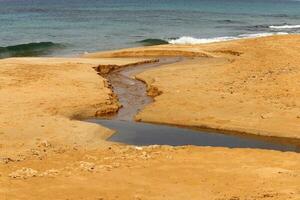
column 47, row 155
column 40, row 96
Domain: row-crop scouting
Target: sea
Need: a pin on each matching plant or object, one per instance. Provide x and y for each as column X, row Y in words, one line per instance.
column 74, row 27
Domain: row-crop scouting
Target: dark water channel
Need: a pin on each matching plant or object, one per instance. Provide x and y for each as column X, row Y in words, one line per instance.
column 132, row 95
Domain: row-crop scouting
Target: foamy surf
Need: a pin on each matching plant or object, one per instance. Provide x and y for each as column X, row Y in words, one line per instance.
column 285, row 27
column 192, row 40
column 255, row 35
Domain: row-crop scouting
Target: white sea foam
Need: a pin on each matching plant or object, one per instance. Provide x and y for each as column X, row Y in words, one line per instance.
column 192, row 40
column 285, row 27
column 255, row 35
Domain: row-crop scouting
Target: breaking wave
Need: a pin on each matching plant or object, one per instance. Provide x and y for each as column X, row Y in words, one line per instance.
column 192, row 40
column 29, row 49
column 151, row 42
column 285, row 27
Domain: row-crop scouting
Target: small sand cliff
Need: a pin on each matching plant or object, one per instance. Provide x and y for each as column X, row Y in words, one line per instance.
column 39, row 97
column 249, row 86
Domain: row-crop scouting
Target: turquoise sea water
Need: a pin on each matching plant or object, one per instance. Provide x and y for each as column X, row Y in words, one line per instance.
column 70, row 27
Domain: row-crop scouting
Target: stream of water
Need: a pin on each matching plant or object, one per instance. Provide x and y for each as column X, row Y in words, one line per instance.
column 133, row 96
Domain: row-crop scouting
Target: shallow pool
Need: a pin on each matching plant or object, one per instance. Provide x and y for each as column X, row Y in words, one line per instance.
column 142, row 134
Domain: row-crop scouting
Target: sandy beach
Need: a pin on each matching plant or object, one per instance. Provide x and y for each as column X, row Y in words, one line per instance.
column 248, row 86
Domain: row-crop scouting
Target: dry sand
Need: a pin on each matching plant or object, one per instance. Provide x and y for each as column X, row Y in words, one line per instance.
column 152, row 173
column 248, row 85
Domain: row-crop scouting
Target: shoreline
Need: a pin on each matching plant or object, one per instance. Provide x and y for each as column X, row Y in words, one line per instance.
column 53, row 49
